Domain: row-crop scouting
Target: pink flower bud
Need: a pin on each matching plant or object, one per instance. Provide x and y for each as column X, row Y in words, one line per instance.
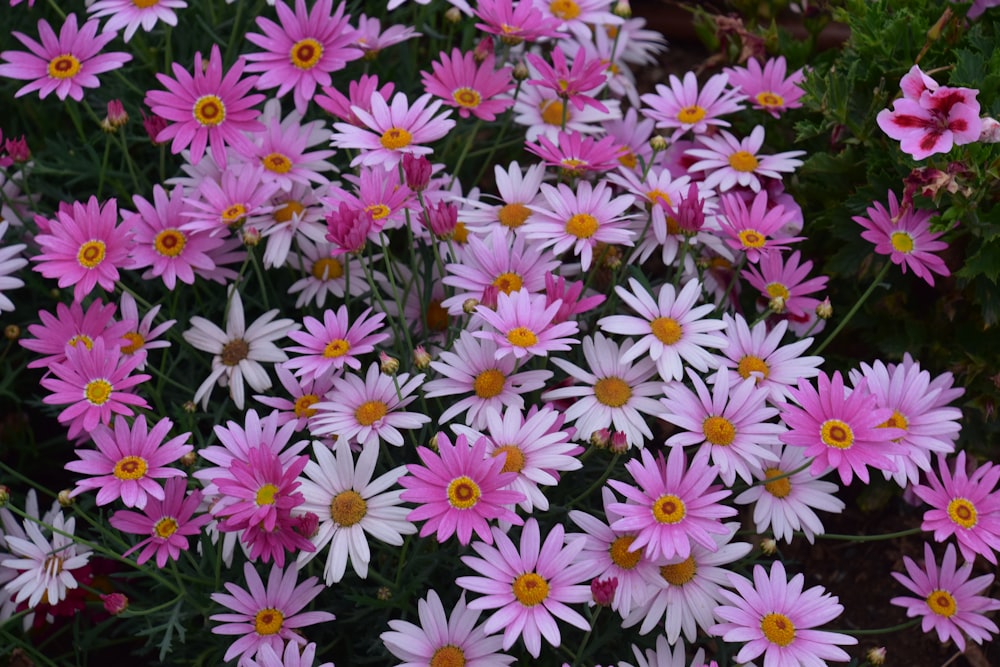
column 416, row 171
column 603, row 590
column 153, row 125
column 114, row 603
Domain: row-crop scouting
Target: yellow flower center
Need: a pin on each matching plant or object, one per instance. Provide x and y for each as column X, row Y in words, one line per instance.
column 963, row 512
column 751, row 238
column 395, row 138
column 65, row 66
column 463, row 493
column 467, row 97
column 779, row 488
column 621, row 556
column 378, row 211
column 97, row 392
column 942, row 603
column 678, row 574
column 287, row 211
column 234, row 352
column 170, row 242
column 669, row 509
column 209, row 110
column 233, row 215
column 901, row 242
column 612, row 392
column 564, row 9
column 370, row 412
column 836, row 433
column 897, row 420
column 276, row 162
column 131, row 467
column 743, row 161
column 514, row 215
column 719, row 430
column 266, row 495
column 136, row 341
column 522, row 337
column 778, row 629
column 667, row 330
column 552, row 113
column 268, row 621
column 508, row 282
column 769, row 99
column 489, row 383
column 165, row 527
column 337, row 347
column 582, row 225
column 515, row 458
column 327, row 268
column 691, row 114
column 628, row 159
column 91, row 253
column 303, row 405
column 657, row 196
column 448, row 656
column 306, row 53
column 749, row 365
column 777, row 289
column 460, row 234
column 348, row 508
column 530, row 589
column 81, row 338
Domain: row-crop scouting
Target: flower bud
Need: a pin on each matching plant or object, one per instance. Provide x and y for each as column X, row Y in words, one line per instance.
column 491, row 294
column 117, row 116
column 876, row 655
column 769, row 546
column 189, row 459
column 153, row 125
column 469, row 306
column 12, row 332
column 777, row 305
column 619, row 442
column 4, row 495
column 383, row 593
column 251, row 236
column 600, row 439
column 416, row 171
column 421, row 358
column 453, row 15
column 388, row 365
column 64, row 498
column 824, row 310
column 658, row 143
column 603, row 590
column 307, row 525
column 520, row 72
column 17, row 149
column 622, row 9
column 114, row 603
column 190, row 407
column 483, row 49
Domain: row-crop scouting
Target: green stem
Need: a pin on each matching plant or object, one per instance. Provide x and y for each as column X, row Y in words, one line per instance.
column 857, row 306
column 586, row 637
column 596, row 485
column 867, row 538
column 881, row 631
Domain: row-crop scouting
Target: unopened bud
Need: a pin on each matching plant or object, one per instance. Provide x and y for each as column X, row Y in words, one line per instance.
column 619, row 442
column 4, row 495
column 777, row 305
column 189, row 459
column 600, row 439
column 251, row 236
column 64, row 498
column 491, row 295
column 603, row 590
column 117, row 116
column 388, row 365
column 114, row 603
column 190, row 407
column 769, row 546
column 483, row 49
column 421, row 358
column 307, row 525
column 433, row 443
column 622, row 9
column 520, row 72
column 17, row 149
column 469, row 306
column 824, row 310
column 12, row 332
column 383, row 593
column 658, row 143
column 453, row 15
column 876, row 655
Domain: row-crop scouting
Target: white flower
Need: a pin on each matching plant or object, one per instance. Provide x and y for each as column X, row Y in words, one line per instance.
column 10, row 263
column 45, row 564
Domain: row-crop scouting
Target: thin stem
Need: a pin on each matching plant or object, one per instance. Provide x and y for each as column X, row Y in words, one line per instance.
column 879, row 631
column 857, row 306
column 867, row 538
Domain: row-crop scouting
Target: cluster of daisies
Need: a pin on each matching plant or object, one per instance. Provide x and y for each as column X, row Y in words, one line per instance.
column 518, row 367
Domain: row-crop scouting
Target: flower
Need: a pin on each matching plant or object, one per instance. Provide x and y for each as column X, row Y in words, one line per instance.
column 128, row 460
column 571, row 83
column 10, row 263
column 515, row 22
column 525, row 326
column 683, row 107
column 323, row 274
column 268, row 616
column 360, row 92
column 282, row 149
column 753, row 230
column 333, row 343
column 130, row 15
column 71, row 327
column 440, row 640
column 350, row 504
column 210, row 108
column 906, row 236
column 459, row 490
column 474, row 89
column 65, row 64
column 776, row 276
column 530, row 585
column 167, row 523
column 775, row 617
column 662, row 656
column 239, row 198
column 575, row 154
column 142, row 337
column 767, row 88
column 949, row 600
column 729, row 161
column 294, row 656
column 45, row 565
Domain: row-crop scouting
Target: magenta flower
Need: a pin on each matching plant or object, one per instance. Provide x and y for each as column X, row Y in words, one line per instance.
column 359, row 94
column 949, row 600
column 459, row 490
column 130, row 14
column 516, row 22
column 475, row 89
column 524, row 325
column 728, row 161
column 128, row 461
column 267, row 616
column 334, row 342
column 167, row 523
column 571, row 82
column 684, row 107
column 576, row 153
column 767, row 88
column 530, row 585
column 65, row 64
column 756, row 230
column 929, row 119
column 207, row 109
column 72, row 326
column 906, row 236
column 777, row 276
column 241, row 197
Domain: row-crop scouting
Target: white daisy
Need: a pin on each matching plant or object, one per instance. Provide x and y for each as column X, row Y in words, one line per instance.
column 46, row 564
column 662, row 656
column 10, row 263
column 325, row 275
column 729, row 161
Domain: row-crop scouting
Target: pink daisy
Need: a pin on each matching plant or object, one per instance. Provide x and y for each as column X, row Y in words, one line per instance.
column 130, row 14
column 459, row 490
column 71, row 326
column 684, row 107
column 370, row 409
column 575, row 154
column 676, row 505
column 966, row 506
column 335, row 342
column 142, row 337
column 167, row 523
column 359, row 94
column 84, row 247
column 784, row 278
column 729, row 161
column 906, row 237
column 65, row 64
column 240, row 198
column 839, row 429
column 775, row 617
column 476, row 89
column 768, row 88
column 300, row 54
column 573, row 82
column 529, row 585
column 524, row 326
column 949, row 600
column 282, row 149
column 371, row 39
column 209, row 108
column 380, row 193
column 516, row 22
column 267, row 616
column 755, row 231
column 128, row 460
column 303, row 395
column 322, row 275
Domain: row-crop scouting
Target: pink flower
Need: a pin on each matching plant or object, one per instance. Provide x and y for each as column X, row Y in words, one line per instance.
column 210, row 108
column 767, row 88
column 516, row 22
column 240, row 198
column 929, row 119
column 360, row 93
column 128, row 461
column 459, row 490
column 776, row 276
column 71, row 326
column 334, row 342
column 573, row 82
column 576, row 154
column 755, row 231
column 130, row 14
column 167, row 523
column 348, row 228
column 524, row 326
column 475, row 89
column 729, row 161
column 683, row 107
column 65, row 64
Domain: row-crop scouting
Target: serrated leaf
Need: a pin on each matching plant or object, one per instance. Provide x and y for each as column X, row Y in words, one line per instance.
column 984, row 262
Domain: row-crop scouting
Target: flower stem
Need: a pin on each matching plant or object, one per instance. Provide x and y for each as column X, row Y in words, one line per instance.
column 857, row 306
column 868, row 538
column 880, row 631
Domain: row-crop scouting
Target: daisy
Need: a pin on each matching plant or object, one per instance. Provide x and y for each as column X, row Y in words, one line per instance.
column 349, row 505
column 786, row 494
column 95, row 383
column 459, row 490
column 84, row 247
column 577, row 84
column 207, row 109
column 297, row 214
column 294, row 656
column 239, row 198
column 10, row 263
column 267, row 616
column 335, row 342
column 359, row 94
column 684, row 107
column 65, row 64
column 166, row 523
column 729, row 161
column 515, row 23
column 662, row 656
column 475, row 89
column 575, row 154
column 44, row 566
column 324, row 275
column 524, row 326
column 380, row 193
column 906, row 237
column 239, row 350
column 130, row 15
column 71, row 326
column 393, row 129
column 472, row 367
column 304, row 394
column 371, row 39
column 775, row 617
column 128, row 460
column 672, row 328
column 370, row 409
column 300, row 54
column 529, row 585
column 777, row 277
column 676, row 505
column 570, row 296
column 839, row 429
column 755, row 231
column 768, row 88
column 142, row 337
column 966, row 506
column 440, row 640
column 282, row 149
column 543, row 113
column 614, row 392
